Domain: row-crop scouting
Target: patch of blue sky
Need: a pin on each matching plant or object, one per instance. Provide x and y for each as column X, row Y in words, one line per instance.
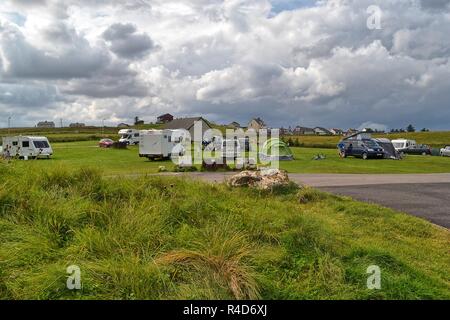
column 286, row 5
column 14, row 17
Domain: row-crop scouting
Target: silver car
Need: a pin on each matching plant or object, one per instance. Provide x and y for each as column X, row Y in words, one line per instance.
column 445, row 152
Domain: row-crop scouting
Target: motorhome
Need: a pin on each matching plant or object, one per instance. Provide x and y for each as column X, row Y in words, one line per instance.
column 26, row 147
column 129, row 136
column 154, row 144
column 401, row 144
column 231, row 149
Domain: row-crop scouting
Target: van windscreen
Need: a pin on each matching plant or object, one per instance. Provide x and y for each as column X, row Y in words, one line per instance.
column 41, row 144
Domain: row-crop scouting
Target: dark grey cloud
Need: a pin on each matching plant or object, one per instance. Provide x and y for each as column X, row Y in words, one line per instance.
column 28, row 94
column 77, row 60
column 435, row 4
column 125, row 41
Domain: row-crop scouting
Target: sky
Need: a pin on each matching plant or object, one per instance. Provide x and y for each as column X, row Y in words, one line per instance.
column 290, row 62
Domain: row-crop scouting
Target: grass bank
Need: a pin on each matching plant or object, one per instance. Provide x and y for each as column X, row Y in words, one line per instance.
column 161, row 238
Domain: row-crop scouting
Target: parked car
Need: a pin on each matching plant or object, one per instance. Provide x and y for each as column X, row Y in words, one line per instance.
column 445, row 152
column 366, row 148
column 105, row 143
column 420, row 149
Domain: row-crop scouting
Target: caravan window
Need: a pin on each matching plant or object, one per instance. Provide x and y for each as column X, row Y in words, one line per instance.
column 15, row 143
column 41, row 144
column 25, row 144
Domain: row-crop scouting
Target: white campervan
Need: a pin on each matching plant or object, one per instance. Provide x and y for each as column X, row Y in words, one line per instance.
column 162, row 143
column 26, row 147
column 231, row 149
column 129, row 136
column 401, row 144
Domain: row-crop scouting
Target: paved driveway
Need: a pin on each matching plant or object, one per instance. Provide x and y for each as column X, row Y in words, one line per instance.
column 430, row 201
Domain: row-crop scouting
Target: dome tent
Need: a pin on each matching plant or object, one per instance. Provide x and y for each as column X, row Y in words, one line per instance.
column 275, row 150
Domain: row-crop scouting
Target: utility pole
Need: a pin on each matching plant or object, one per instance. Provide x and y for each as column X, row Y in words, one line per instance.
column 61, row 121
column 103, row 127
column 9, row 125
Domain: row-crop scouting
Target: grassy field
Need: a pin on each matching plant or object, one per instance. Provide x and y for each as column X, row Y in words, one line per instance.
column 165, row 238
column 114, row 161
column 433, row 139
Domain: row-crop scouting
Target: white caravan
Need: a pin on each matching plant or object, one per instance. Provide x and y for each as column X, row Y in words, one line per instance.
column 401, row 144
column 26, row 147
column 129, row 136
column 163, row 143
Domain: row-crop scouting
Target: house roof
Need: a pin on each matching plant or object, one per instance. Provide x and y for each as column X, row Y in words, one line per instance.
column 259, row 121
column 303, row 128
column 165, row 115
column 322, row 129
column 184, row 123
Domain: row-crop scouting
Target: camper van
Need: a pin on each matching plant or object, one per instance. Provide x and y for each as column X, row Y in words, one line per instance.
column 401, row 144
column 231, row 149
column 163, row 144
column 129, row 136
column 26, row 147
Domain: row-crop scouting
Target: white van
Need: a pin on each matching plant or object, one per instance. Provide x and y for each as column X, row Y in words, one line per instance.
column 26, row 147
column 162, row 143
column 231, row 149
column 129, row 136
column 401, row 144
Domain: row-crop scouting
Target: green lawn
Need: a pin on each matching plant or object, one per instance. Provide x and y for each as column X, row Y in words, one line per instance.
column 437, row 139
column 115, row 161
column 167, row 238
column 304, row 163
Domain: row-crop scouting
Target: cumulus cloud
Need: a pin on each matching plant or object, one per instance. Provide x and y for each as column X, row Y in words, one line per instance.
column 126, row 42
column 289, row 61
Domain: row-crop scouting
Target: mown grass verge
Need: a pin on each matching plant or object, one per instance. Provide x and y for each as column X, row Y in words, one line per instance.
column 163, row 238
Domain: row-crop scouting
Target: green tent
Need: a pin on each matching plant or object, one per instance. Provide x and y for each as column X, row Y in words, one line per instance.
column 269, row 151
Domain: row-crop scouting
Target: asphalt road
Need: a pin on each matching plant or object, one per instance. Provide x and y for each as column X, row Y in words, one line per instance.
column 430, row 201
column 422, row 195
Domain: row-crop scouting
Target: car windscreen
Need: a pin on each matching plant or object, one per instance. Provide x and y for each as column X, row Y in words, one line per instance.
column 371, row 144
column 41, row 144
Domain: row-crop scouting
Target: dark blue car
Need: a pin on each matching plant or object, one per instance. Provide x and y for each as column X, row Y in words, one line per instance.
column 365, row 149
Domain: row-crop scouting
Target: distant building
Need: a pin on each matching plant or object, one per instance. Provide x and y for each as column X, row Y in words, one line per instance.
column 77, row 125
column 322, row 131
column 234, row 125
column 350, row 132
column 188, row 124
column 284, row 132
column 164, row 118
column 123, row 125
column 257, row 124
column 302, row 131
column 337, row 132
column 46, row 124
